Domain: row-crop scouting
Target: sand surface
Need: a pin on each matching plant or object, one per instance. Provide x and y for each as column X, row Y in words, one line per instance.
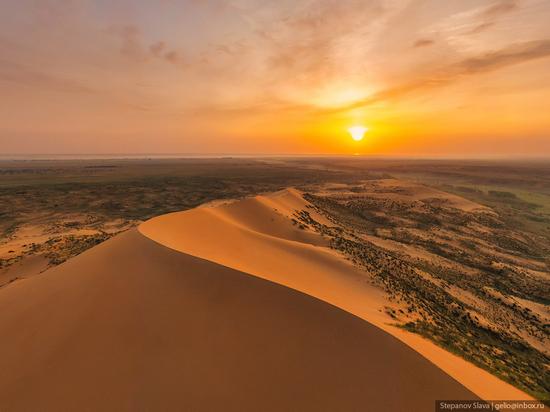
column 256, row 236
column 131, row 325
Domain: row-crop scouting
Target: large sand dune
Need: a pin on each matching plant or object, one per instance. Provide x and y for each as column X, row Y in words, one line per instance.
column 133, row 325
column 256, row 236
column 263, row 317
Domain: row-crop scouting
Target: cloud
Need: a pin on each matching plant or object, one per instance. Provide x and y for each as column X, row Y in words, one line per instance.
column 499, row 8
column 300, row 55
column 489, row 16
column 511, row 55
column 481, row 27
column 306, row 38
column 423, row 43
column 132, row 46
column 172, row 57
column 514, row 54
column 130, row 41
column 160, row 50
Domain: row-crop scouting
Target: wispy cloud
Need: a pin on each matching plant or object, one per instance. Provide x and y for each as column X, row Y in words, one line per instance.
column 308, row 37
column 488, row 17
column 511, row 55
column 160, row 50
column 423, row 43
column 514, row 54
column 132, row 45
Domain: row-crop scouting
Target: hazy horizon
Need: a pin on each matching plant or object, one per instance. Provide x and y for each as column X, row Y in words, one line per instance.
column 459, row 79
column 190, row 156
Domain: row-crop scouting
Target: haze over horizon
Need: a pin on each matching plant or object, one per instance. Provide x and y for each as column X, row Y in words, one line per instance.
column 428, row 78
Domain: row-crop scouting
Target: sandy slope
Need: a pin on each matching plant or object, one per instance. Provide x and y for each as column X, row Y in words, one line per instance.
column 26, row 267
column 133, row 325
column 257, row 236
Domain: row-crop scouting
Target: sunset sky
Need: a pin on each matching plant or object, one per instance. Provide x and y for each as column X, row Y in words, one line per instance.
column 427, row 77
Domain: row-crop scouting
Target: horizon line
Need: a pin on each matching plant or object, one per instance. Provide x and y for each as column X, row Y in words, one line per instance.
column 136, row 156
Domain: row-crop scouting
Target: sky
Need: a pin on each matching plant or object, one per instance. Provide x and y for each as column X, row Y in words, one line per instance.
column 427, row 77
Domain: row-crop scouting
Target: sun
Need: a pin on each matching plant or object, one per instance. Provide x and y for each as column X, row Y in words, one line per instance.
column 358, row 132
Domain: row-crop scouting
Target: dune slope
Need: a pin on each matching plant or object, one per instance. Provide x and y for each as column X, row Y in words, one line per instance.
column 133, row 325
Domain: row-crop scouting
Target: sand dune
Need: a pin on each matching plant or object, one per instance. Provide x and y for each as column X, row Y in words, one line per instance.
column 256, row 236
column 224, row 307
column 133, row 325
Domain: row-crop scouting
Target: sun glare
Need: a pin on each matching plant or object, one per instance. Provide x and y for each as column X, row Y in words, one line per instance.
column 357, row 132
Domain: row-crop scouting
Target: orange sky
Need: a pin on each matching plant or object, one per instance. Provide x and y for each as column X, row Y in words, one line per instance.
column 428, row 77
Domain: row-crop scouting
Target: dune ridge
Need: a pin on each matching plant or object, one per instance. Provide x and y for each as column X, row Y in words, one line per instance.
column 257, row 236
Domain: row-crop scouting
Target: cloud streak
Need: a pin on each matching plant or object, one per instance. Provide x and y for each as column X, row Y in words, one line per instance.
column 511, row 55
column 492, row 14
column 423, row 43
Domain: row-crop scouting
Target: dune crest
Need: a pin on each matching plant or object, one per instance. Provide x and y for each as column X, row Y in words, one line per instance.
column 258, row 236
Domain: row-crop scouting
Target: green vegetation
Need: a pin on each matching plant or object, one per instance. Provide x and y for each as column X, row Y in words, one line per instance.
column 60, row 248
